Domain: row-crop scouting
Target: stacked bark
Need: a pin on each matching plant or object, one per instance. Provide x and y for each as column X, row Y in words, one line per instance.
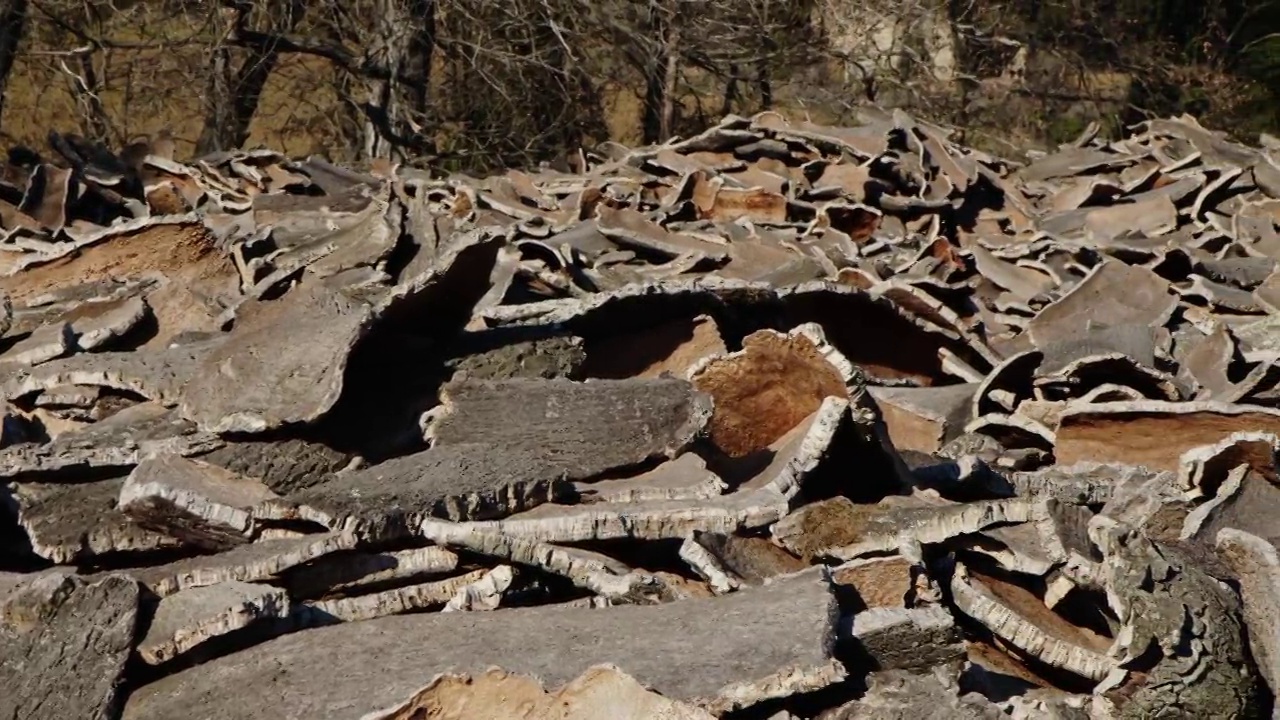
column 780, row 420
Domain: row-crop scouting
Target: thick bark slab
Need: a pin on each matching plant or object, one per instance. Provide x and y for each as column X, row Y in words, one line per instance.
column 283, row 364
column 119, row 441
column 887, row 582
column 457, row 482
column 355, row 572
column 197, row 503
column 158, row 375
column 588, row 428
column 245, row 563
column 902, row 639
column 184, row 620
column 284, row 465
column 1165, row 601
column 759, row 501
column 65, row 645
column 75, row 523
column 349, row 670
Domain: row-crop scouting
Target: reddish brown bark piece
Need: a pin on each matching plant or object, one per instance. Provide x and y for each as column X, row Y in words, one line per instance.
column 1152, row 433
column 879, row 582
column 766, row 389
column 671, row 347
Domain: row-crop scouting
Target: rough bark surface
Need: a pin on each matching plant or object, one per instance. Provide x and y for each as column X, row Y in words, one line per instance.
column 747, row 655
column 65, row 643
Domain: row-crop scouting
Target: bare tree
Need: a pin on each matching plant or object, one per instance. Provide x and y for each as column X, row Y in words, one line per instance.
column 13, row 23
column 233, row 91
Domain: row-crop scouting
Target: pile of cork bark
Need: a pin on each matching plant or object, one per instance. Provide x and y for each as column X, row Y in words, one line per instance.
column 777, row 421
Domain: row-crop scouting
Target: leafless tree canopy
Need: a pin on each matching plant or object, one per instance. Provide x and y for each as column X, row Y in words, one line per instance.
column 475, row 84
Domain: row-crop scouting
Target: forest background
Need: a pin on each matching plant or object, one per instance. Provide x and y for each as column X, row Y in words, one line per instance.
column 474, row 85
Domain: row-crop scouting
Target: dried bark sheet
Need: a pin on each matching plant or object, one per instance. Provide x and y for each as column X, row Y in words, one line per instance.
column 200, row 504
column 70, row 523
column 359, row 571
column 184, row 620
column 1256, row 565
column 118, row 441
column 245, row 563
column 768, row 387
column 587, row 428
column 282, row 364
column 746, row 656
column 458, row 482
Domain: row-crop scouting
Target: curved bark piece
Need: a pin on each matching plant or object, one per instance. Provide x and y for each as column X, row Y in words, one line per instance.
column 1201, row 470
column 763, row 391
column 1022, row 620
column 392, row 601
column 357, row 571
column 1128, row 295
column 245, row 563
column 923, row 419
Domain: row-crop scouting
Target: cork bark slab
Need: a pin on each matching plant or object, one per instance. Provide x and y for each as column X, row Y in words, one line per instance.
column 349, row 670
column 66, row 642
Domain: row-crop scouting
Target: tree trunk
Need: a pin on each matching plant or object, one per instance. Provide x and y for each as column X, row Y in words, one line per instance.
column 402, row 46
column 233, row 94
column 661, row 74
column 13, row 21
column 422, row 46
